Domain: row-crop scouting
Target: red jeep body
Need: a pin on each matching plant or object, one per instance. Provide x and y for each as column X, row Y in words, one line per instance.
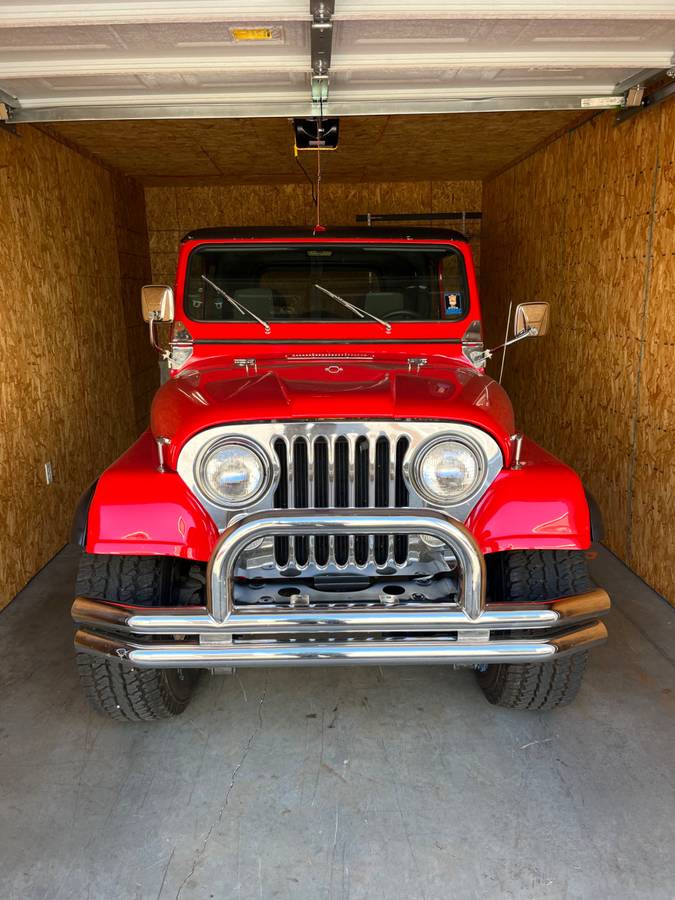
column 232, row 373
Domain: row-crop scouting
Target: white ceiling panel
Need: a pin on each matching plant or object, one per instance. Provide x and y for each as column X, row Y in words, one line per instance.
column 160, row 58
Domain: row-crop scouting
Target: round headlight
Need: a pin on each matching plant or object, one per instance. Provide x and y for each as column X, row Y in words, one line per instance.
column 233, row 473
column 448, row 471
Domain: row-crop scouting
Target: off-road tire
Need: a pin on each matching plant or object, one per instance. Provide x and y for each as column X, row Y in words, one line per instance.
column 139, row 580
column 127, row 694
column 522, row 575
column 114, row 687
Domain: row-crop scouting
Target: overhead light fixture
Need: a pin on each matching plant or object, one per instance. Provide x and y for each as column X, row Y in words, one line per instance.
column 316, row 133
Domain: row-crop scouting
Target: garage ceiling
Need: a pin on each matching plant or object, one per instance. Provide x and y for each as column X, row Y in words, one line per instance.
column 118, row 59
column 372, row 148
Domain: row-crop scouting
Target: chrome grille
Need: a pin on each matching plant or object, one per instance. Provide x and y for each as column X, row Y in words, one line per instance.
column 344, row 472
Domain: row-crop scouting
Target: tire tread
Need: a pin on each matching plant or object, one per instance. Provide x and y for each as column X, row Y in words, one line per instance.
column 536, row 575
column 112, row 686
column 127, row 694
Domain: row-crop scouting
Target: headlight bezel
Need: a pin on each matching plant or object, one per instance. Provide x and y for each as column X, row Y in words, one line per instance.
column 414, row 465
column 217, row 444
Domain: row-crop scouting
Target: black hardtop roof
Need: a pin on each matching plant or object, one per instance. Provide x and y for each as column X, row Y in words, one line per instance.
column 261, row 233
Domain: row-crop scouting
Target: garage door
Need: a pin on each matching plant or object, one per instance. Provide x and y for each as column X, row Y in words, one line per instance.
column 167, row 58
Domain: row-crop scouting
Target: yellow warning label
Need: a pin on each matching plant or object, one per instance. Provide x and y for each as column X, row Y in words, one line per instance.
column 251, row 34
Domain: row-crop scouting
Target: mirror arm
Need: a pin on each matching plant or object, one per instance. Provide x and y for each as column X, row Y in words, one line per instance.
column 165, row 354
column 487, row 354
column 529, row 332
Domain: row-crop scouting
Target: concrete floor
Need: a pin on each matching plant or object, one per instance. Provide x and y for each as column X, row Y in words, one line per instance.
column 349, row 783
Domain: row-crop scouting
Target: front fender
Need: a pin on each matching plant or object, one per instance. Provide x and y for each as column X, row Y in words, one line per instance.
column 540, row 506
column 137, row 510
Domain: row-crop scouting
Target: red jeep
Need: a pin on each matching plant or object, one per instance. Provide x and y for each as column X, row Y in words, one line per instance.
column 330, row 478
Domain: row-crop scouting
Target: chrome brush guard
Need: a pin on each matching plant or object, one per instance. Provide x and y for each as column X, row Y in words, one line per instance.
column 223, row 634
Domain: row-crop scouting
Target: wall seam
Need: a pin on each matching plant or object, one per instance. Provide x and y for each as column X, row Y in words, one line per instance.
column 643, row 329
column 557, row 135
column 52, row 134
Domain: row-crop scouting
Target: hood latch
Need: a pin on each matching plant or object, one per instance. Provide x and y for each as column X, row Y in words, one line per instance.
column 415, row 363
column 249, row 364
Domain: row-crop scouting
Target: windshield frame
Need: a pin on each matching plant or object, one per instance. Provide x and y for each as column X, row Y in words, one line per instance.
column 307, row 330
column 438, row 247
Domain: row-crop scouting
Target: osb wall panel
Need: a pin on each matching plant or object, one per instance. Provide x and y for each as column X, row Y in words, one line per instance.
column 172, row 211
column 65, row 391
column 653, row 484
column 134, row 262
column 577, row 224
column 371, row 148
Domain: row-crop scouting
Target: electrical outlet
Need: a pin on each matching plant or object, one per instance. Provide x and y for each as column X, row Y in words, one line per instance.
column 49, row 473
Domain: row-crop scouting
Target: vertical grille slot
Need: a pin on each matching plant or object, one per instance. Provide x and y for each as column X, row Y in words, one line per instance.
column 400, row 499
column 347, row 471
column 362, row 456
column 381, row 494
column 301, row 495
column 341, row 495
column 281, row 501
column 321, row 495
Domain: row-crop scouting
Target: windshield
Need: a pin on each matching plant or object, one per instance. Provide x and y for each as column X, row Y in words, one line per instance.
column 306, row 283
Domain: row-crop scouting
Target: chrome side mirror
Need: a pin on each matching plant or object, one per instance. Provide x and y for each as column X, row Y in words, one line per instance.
column 158, row 306
column 157, row 303
column 531, row 318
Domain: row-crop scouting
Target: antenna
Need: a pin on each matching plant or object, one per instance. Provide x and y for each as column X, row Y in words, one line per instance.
column 506, row 338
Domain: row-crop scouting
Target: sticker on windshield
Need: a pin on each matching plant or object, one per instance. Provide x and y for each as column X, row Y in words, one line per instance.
column 452, row 303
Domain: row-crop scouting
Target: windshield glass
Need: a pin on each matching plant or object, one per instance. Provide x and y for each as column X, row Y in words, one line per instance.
column 295, row 283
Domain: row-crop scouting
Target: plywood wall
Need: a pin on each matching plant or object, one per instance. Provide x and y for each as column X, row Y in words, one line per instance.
column 134, row 261
column 65, row 388
column 588, row 223
column 172, row 211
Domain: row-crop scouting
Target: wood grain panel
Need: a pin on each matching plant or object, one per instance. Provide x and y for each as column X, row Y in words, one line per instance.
column 133, row 255
column 173, row 211
column 212, row 152
column 65, row 389
column 577, row 224
column 653, row 488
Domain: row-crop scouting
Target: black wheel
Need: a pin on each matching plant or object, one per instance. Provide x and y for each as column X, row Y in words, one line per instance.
column 536, row 575
column 112, row 686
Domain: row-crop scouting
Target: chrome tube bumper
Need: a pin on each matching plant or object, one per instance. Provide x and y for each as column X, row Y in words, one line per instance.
column 222, row 634
column 182, row 655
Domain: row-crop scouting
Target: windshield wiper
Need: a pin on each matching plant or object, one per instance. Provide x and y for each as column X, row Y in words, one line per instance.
column 237, row 305
column 362, row 313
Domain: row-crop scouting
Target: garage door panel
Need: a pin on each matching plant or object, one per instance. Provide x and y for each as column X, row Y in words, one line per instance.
column 234, row 87
column 152, row 39
column 110, row 55
column 469, row 80
column 490, row 35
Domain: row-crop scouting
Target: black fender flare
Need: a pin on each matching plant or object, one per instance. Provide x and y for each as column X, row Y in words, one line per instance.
column 78, row 531
column 597, row 523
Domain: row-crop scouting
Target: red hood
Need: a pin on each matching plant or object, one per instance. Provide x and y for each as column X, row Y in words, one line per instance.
column 444, row 389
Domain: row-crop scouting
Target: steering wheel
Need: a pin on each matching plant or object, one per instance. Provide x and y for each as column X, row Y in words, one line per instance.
column 400, row 314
